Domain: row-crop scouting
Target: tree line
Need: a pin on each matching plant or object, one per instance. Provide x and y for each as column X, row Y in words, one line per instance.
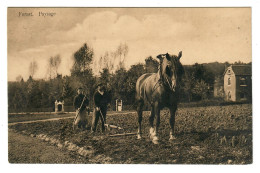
column 197, row 84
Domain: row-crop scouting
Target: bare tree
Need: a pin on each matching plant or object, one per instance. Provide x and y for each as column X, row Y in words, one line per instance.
column 50, row 68
column 105, row 62
column 100, row 63
column 53, row 65
column 113, row 60
column 56, row 63
column 125, row 50
column 33, row 68
column 122, row 52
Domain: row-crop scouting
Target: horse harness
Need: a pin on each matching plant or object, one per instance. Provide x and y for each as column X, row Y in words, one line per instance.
column 159, row 83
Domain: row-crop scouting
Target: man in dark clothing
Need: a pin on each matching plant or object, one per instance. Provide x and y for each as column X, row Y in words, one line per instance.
column 101, row 99
column 80, row 103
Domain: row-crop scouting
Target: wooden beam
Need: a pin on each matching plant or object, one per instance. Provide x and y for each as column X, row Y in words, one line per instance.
column 113, row 126
column 123, row 134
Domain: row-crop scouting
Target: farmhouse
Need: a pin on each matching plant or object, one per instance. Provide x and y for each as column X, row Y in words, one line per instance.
column 238, row 83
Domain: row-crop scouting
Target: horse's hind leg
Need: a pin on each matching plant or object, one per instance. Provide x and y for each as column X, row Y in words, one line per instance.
column 140, row 117
column 151, row 120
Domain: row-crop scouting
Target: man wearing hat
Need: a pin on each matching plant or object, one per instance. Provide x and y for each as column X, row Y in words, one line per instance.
column 80, row 103
column 101, row 100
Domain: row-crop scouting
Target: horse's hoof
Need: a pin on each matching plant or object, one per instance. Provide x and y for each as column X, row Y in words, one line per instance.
column 155, row 141
column 155, row 138
column 139, row 137
column 172, row 138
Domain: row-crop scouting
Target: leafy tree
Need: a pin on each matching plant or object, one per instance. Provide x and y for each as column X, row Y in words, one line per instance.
column 201, row 73
column 132, row 75
column 67, row 91
column 216, row 68
column 200, row 89
column 105, row 76
column 16, row 96
column 151, row 65
column 188, row 82
column 123, row 83
column 44, row 87
column 34, row 95
column 81, row 70
column 239, row 63
column 82, row 60
column 118, row 84
column 197, row 82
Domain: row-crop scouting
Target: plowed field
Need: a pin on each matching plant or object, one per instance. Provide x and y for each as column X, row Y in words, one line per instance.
column 205, row 135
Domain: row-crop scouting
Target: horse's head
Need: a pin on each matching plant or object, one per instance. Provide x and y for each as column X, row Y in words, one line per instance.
column 171, row 69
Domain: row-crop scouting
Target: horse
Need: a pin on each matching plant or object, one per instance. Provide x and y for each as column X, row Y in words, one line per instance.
column 160, row 90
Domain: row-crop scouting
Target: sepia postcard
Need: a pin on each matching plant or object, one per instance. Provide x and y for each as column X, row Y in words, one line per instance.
column 130, row 85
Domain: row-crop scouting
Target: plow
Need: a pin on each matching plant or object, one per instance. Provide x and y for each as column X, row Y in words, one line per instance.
column 119, row 128
column 108, row 126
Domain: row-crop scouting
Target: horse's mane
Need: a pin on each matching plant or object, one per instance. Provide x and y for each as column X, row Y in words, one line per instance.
column 179, row 67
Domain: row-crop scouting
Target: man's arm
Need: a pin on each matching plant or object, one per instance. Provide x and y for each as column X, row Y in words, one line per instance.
column 75, row 102
column 86, row 102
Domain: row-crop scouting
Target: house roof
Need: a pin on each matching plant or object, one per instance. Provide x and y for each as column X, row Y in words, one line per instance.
column 242, row 69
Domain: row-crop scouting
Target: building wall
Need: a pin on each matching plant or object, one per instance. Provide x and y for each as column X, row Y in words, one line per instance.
column 244, row 88
column 230, row 89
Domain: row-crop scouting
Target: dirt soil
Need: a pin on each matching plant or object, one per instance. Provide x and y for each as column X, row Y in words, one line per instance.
column 12, row 118
column 25, row 149
column 205, row 135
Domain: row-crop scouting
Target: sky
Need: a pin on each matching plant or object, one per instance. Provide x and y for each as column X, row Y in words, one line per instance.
column 202, row 34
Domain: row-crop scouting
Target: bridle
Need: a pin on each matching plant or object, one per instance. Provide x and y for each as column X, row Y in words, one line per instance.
column 161, row 81
column 167, row 80
column 169, row 84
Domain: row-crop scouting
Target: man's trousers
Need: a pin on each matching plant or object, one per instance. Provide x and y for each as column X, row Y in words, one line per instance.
column 96, row 115
column 81, row 120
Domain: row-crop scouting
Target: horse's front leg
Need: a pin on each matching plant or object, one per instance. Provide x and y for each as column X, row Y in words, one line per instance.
column 172, row 121
column 154, row 131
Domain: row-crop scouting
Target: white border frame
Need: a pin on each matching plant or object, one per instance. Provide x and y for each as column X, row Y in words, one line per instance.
column 129, row 3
